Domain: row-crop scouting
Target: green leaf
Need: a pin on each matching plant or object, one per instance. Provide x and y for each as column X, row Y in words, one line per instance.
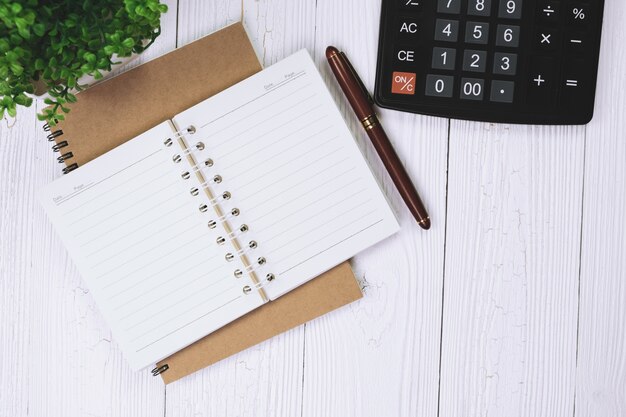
column 16, row 8
column 39, row 29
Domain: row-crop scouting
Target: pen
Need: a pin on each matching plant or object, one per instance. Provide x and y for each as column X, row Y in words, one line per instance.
column 362, row 104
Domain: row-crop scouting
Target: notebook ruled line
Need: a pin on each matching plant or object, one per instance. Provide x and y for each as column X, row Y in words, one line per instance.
column 143, row 266
column 58, row 203
column 164, row 323
column 169, row 294
column 151, row 237
column 143, row 186
column 276, row 87
column 318, row 214
column 115, row 188
column 330, row 247
column 172, row 265
column 300, row 196
column 187, row 324
column 168, row 307
column 247, row 116
column 326, row 223
column 154, row 206
column 132, row 232
column 260, row 176
column 258, row 137
column 304, row 181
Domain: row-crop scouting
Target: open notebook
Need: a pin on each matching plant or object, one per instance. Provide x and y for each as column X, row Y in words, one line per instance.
column 232, row 203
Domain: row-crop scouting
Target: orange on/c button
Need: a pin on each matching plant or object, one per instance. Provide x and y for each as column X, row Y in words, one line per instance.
column 403, row 83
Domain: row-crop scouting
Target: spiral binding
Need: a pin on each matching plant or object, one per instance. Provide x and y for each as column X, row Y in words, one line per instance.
column 52, row 137
column 223, row 217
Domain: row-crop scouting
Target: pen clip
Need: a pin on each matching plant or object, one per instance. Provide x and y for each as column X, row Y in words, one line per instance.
column 357, row 78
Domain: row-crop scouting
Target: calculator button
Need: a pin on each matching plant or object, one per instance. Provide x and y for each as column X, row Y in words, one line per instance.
column 578, row 14
column 408, row 29
column 472, row 88
column 474, row 61
column 406, row 55
column 502, row 91
column 576, row 43
column 479, row 7
column 510, row 9
column 547, row 39
column 439, row 85
column 403, row 83
column 446, row 30
column 444, row 58
column 449, row 6
column 412, row 5
column 576, row 81
column 504, row 63
column 477, row 32
column 508, row 36
column 548, row 11
column 542, row 81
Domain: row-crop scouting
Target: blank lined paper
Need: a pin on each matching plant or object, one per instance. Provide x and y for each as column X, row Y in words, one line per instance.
column 161, row 241
column 296, row 173
column 142, row 245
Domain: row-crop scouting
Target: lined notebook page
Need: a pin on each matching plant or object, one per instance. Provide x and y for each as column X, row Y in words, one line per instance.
column 304, row 189
column 144, row 249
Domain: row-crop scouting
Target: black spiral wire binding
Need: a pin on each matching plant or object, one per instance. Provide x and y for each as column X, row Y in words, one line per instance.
column 160, row 369
column 52, row 137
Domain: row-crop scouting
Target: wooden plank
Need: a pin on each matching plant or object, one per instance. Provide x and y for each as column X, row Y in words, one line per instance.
column 265, row 379
column 511, row 280
column 380, row 356
column 601, row 376
column 57, row 356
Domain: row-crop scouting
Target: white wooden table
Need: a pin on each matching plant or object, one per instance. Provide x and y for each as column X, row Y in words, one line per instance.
column 513, row 304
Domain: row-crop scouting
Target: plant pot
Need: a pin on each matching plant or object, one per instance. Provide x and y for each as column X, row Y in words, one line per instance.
column 41, row 90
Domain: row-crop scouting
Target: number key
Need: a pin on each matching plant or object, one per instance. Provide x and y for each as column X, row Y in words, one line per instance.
column 446, row 30
column 510, row 9
column 477, row 32
column 439, row 85
column 504, row 64
column 479, row 8
column 449, row 6
column 507, row 36
column 472, row 88
column 444, row 58
column 474, row 61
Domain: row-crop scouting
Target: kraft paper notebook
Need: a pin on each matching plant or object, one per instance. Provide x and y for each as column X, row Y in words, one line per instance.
column 209, row 213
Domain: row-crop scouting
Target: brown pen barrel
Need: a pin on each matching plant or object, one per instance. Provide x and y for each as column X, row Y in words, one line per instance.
column 349, row 85
column 359, row 100
column 398, row 174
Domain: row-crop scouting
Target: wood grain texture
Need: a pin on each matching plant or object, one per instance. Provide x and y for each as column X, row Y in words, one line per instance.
column 56, row 353
column 511, row 281
column 509, row 206
column 265, row 380
column 380, row 356
column 601, row 376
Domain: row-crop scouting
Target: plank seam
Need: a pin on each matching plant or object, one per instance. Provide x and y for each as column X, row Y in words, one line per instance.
column 443, row 281
column 580, row 261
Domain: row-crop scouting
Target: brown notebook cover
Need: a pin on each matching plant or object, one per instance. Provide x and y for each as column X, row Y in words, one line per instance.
column 114, row 111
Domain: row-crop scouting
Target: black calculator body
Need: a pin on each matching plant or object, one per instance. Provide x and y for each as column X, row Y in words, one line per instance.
column 506, row 61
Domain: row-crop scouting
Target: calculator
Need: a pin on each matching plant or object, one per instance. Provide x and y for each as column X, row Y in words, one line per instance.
column 506, row 61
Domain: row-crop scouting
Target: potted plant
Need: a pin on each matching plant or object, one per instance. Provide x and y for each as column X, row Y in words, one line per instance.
column 55, row 48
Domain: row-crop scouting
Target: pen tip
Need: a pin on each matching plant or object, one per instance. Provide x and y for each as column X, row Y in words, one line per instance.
column 331, row 51
column 425, row 223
